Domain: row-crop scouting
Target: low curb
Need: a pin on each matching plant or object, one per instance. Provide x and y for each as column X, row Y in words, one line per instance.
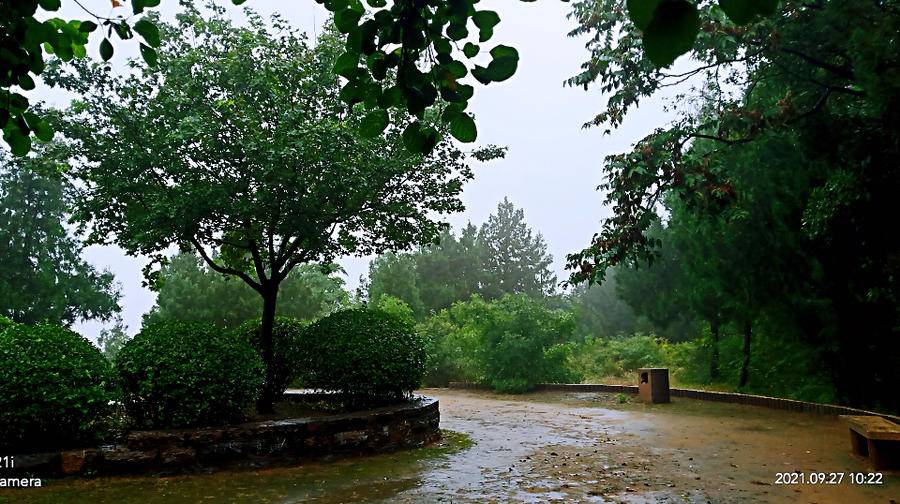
column 250, row 445
column 704, row 395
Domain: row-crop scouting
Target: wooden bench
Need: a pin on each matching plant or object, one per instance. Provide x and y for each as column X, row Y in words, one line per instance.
column 875, row 437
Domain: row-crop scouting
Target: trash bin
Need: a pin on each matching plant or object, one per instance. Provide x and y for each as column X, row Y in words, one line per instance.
column 653, row 385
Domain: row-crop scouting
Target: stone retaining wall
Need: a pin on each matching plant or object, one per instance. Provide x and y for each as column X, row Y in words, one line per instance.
column 705, row 395
column 254, row 444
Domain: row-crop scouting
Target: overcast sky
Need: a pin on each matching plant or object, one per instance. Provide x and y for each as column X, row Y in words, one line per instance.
column 553, row 165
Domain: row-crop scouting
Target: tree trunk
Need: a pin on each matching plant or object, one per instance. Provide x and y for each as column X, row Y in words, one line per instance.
column 714, row 328
column 267, row 348
column 748, row 328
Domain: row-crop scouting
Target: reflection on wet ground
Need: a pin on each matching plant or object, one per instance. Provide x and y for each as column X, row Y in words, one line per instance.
column 547, row 447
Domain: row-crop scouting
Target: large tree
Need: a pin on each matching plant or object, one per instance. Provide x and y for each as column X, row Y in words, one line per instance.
column 503, row 256
column 188, row 290
column 43, row 276
column 434, row 276
column 238, row 146
column 516, row 260
column 784, row 154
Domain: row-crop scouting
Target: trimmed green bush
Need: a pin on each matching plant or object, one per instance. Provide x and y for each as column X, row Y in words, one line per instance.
column 286, row 339
column 56, row 388
column 179, row 374
column 367, row 355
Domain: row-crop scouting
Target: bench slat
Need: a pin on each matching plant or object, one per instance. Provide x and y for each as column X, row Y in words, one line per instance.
column 873, row 427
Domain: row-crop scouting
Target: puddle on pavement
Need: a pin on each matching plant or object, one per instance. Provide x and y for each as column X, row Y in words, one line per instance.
column 545, row 447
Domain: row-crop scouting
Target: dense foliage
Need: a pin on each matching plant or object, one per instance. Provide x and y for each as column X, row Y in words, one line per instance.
column 367, row 355
column 56, row 388
column 26, row 33
column 189, row 291
column 772, row 183
column 512, row 343
column 178, row 374
column 43, row 277
column 288, row 335
column 256, row 175
column 503, row 256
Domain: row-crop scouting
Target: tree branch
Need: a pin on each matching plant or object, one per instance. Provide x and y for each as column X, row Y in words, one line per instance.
column 224, row 270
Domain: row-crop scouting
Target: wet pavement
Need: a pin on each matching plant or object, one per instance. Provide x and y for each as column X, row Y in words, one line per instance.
column 548, row 447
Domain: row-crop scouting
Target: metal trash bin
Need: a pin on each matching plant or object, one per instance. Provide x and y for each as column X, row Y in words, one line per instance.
column 653, row 385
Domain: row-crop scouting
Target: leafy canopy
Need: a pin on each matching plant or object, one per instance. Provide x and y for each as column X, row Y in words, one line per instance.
column 25, row 39
column 42, row 274
column 237, row 145
column 504, row 256
column 190, row 291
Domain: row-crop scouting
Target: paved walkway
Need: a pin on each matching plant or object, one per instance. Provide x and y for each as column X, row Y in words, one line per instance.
column 548, row 447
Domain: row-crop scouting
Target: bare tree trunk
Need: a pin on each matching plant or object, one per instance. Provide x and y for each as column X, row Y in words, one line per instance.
column 748, row 328
column 267, row 347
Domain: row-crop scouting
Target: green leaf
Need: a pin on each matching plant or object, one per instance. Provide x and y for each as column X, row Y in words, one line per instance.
column 471, row 50
column 744, row 11
column 139, row 5
column 672, row 32
column 40, row 127
column 17, row 102
column 106, row 50
column 352, row 93
column 485, row 21
column 504, row 63
column 641, row 12
column 43, row 131
column 374, row 123
column 419, row 140
column 123, row 30
column 49, row 5
column 26, row 82
column 457, row 69
column 463, row 128
column 481, row 74
column 87, row 26
column 149, row 55
column 149, row 31
column 457, row 31
column 346, row 20
column 346, row 63
column 19, row 144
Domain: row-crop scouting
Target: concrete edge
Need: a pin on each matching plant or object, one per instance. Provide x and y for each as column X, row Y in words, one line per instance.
column 705, row 395
column 248, row 445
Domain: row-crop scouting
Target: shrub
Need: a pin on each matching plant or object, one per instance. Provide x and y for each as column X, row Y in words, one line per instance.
column 286, row 339
column 394, row 306
column 523, row 343
column 177, row 374
column 451, row 343
column 512, row 344
column 621, row 356
column 56, row 388
column 365, row 354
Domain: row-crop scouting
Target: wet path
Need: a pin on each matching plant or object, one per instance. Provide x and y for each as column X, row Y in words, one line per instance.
column 547, row 447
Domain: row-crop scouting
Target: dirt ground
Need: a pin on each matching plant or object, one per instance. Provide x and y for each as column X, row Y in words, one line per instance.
column 547, row 447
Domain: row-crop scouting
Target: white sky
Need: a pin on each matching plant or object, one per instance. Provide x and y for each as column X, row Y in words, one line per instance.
column 553, row 165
